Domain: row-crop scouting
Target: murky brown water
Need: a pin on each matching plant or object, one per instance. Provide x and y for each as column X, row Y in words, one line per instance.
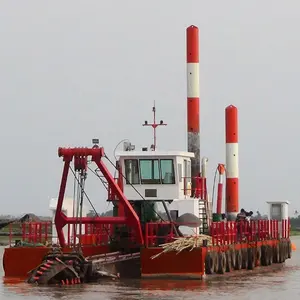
column 278, row 283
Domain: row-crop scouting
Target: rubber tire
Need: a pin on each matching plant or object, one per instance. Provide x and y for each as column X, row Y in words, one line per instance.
column 258, row 256
column 284, row 250
column 264, row 255
column 245, row 259
column 276, row 256
column 238, row 260
column 222, row 263
column 289, row 249
column 228, row 262
column 270, row 255
column 286, row 246
column 233, row 258
column 216, row 262
column 209, row 263
column 251, row 258
column 282, row 254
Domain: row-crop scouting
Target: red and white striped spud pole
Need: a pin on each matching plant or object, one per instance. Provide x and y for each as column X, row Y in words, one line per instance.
column 193, row 97
column 232, row 162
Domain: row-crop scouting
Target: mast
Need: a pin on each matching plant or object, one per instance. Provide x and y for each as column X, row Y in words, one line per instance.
column 154, row 125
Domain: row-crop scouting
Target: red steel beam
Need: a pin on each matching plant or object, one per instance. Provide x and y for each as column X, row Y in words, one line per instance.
column 131, row 219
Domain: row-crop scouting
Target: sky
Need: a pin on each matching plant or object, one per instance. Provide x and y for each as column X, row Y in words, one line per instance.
column 71, row 71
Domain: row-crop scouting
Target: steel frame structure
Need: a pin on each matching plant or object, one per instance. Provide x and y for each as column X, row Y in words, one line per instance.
column 80, row 156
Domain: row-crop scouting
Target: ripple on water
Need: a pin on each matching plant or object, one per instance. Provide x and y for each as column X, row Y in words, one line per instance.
column 277, row 283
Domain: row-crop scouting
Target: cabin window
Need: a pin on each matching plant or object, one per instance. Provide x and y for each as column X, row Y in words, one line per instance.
column 189, row 171
column 185, row 172
column 132, row 171
column 149, row 171
column 180, row 172
column 167, row 171
column 276, row 212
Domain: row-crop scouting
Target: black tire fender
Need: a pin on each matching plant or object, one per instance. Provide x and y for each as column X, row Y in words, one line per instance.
column 289, row 249
column 281, row 251
column 233, row 258
column 228, row 261
column 270, row 255
column 258, row 256
column 286, row 250
column 264, row 255
column 245, row 259
column 238, row 260
column 276, row 254
column 222, row 262
column 251, row 259
column 216, row 261
column 209, row 263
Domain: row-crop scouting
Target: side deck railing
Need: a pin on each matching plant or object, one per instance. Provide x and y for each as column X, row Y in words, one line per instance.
column 36, row 232
column 222, row 233
column 83, row 234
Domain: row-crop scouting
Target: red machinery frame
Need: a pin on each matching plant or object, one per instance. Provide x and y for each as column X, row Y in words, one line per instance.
column 80, row 156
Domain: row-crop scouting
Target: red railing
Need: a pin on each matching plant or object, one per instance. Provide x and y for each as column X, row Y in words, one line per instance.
column 152, row 234
column 286, row 228
column 41, row 233
column 222, row 233
column 35, row 232
column 97, row 234
column 89, row 234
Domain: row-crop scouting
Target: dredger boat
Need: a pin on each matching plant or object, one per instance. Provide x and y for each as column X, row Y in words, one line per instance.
column 162, row 223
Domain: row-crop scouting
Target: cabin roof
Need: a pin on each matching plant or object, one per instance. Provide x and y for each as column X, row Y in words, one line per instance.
column 157, row 153
column 278, row 202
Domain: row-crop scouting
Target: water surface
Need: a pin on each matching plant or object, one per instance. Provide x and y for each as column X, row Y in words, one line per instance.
column 277, row 283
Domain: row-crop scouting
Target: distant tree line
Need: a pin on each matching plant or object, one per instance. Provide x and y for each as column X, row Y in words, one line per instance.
column 295, row 223
column 108, row 213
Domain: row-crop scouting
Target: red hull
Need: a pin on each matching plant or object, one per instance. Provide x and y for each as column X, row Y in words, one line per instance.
column 18, row 261
column 187, row 264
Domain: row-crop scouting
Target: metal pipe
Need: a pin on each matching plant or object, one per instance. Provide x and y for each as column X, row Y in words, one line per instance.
column 221, row 170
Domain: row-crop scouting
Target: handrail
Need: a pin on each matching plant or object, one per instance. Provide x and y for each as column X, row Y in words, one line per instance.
column 222, row 233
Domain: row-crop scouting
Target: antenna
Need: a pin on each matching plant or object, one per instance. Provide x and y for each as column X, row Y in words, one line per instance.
column 154, row 125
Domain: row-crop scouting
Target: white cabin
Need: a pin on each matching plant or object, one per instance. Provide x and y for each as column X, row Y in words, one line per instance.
column 161, row 175
column 156, row 175
column 278, row 210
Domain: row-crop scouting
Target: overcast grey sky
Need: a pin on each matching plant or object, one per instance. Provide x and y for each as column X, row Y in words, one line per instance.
column 74, row 70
